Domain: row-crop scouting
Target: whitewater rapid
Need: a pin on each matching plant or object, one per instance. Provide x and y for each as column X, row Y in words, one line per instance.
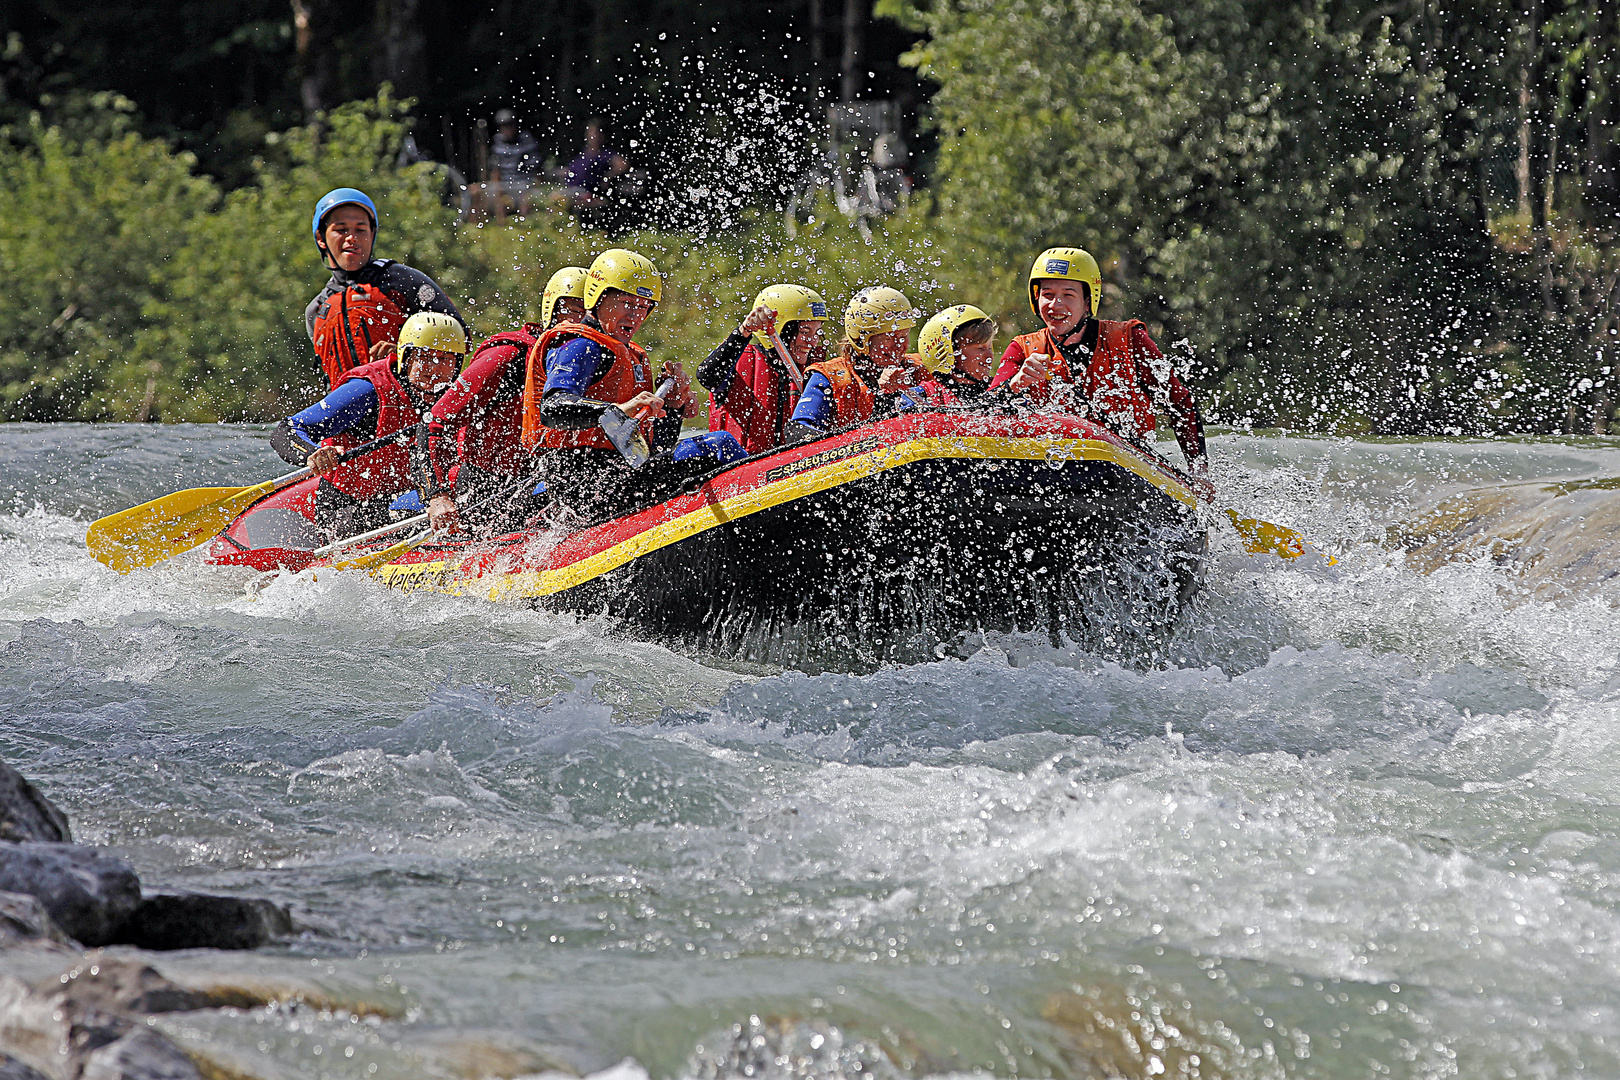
column 1364, row 821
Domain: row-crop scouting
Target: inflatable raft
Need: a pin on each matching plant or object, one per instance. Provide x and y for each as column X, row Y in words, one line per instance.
column 886, row 542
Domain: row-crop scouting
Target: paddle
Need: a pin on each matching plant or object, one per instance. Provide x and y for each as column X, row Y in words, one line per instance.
column 147, row 534
column 1265, row 537
column 625, row 433
column 361, row 538
column 793, row 371
column 1259, row 537
column 384, row 555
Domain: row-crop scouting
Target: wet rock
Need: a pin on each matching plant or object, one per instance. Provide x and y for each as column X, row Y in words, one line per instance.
column 12, row 1069
column 25, row 814
column 142, row 1054
column 24, row 919
column 90, row 895
column 198, row 921
column 50, row 1036
column 114, row 985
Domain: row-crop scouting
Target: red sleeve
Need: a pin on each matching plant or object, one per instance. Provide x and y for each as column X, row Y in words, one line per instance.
column 1011, row 361
column 475, row 391
column 1158, row 374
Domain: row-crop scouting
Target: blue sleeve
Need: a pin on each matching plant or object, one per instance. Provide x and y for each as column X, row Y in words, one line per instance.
column 815, row 405
column 573, row 366
column 335, row 413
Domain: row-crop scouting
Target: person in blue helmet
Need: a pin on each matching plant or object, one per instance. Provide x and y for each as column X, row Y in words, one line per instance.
column 357, row 316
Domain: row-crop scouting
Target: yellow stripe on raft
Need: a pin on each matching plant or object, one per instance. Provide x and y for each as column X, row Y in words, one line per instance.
column 536, row 583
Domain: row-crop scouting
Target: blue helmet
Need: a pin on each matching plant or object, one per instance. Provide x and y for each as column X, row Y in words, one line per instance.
column 343, row 196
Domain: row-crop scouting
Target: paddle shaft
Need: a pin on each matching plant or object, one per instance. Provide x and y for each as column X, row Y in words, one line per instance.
column 793, row 371
column 361, row 538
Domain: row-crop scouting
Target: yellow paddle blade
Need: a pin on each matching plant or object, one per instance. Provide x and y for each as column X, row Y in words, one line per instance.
column 151, row 532
column 385, row 555
column 1264, row 537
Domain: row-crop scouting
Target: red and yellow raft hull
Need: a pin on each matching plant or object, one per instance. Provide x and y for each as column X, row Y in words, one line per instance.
column 878, row 543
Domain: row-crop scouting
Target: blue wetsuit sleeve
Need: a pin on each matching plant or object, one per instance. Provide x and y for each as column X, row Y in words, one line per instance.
column 570, row 370
column 815, row 405
column 573, row 366
column 334, row 414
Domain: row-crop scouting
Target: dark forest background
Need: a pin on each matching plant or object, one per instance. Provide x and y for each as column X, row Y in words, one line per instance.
column 1346, row 215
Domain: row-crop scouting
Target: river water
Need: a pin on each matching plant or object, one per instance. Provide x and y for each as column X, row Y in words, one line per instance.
column 1363, row 823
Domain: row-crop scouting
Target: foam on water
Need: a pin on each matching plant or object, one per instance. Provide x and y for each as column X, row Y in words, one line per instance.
column 1361, row 822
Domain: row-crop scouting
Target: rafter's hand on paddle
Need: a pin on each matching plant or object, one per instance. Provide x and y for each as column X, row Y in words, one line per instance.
column 323, row 459
column 761, row 318
column 680, row 400
column 892, row 380
column 1033, row 372
column 442, row 515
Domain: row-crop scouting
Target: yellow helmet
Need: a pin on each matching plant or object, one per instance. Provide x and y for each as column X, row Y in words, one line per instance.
column 569, row 281
column 430, row 330
column 1070, row 264
column 936, row 346
column 877, row 309
column 792, row 303
column 624, row 270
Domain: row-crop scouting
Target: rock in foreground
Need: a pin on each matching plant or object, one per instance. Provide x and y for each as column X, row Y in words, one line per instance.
column 91, row 895
column 25, row 814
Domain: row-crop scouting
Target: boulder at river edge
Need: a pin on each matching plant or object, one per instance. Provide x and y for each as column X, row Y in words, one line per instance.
column 94, row 897
column 25, row 814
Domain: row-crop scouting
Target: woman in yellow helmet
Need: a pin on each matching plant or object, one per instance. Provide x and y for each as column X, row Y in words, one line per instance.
column 1110, row 371
column 472, row 442
column 870, row 371
column 380, row 398
column 751, row 392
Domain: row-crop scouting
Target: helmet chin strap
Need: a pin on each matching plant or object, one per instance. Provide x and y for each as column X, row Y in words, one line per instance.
column 329, row 260
column 1077, row 328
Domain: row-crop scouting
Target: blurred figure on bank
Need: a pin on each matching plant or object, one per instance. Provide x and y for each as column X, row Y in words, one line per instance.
column 588, row 193
column 356, row 318
column 514, row 162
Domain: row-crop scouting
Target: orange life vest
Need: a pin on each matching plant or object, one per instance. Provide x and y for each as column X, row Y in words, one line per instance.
column 853, row 401
column 629, row 374
column 1110, row 389
column 349, row 324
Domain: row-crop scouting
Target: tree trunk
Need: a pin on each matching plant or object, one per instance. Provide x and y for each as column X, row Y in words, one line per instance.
column 401, row 53
column 1521, row 171
column 317, row 64
column 818, row 52
column 854, row 23
column 1602, row 185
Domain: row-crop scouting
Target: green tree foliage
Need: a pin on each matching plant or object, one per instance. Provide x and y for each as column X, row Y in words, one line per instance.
column 131, row 289
column 1295, row 188
column 92, row 214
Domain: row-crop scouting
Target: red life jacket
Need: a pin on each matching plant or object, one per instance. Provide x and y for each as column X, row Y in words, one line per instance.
column 628, row 375
column 493, row 442
column 1110, row 389
column 349, row 324
column 934, row 393
column 758, row 404
column 385, row 471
